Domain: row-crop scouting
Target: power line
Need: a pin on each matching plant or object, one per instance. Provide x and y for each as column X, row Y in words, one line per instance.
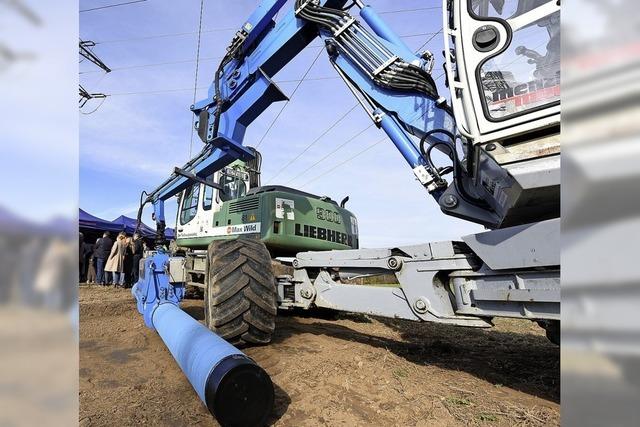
column 212, row 30
column 154, row 92
column 429, row 39
column 326, row 131
column 97, row 107
column 88, row 96
column 185, row 61
column 112, row 5
column 343, row 163
column 157, row 64
column 287, row 103
column 329, row 154
column 195, row 83
column 160, row 91
column 309, row 79
column 151, row 92
column 158, row 36
column 85, row 96
column 388, row 12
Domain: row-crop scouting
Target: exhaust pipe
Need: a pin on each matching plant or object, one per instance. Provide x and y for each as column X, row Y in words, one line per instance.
column 234, row 388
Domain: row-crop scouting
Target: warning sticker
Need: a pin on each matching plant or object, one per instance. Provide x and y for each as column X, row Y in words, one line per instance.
column 285, row 208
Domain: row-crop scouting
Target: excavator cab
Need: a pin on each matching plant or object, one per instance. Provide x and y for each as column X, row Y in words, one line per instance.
column 285, row 219
column 502, row 61
column 199, row 203
column 504, row 64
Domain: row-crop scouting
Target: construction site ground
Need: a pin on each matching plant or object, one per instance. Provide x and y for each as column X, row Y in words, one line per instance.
column 328, row 369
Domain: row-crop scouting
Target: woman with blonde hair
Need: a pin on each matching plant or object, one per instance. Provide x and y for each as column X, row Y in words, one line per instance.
column 115, row 262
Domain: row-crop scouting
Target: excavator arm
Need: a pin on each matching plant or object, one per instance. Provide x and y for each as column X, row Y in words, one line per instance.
column 392, row 83
column 395, row 88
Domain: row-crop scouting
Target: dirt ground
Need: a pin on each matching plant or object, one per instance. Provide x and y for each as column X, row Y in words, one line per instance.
column 327, row 369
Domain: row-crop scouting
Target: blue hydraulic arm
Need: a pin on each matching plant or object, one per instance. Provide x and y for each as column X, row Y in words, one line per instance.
column 390, row 81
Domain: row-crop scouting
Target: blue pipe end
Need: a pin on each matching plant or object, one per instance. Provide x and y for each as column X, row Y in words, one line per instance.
column 238, row 392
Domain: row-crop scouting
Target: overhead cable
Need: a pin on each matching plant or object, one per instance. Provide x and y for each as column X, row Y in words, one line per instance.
column 312, row 143
column 289, row 100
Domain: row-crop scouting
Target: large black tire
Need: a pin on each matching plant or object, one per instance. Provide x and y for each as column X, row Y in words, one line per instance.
column 240, row 296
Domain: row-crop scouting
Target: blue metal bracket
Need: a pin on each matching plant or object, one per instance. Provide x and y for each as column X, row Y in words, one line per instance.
column 154, row 288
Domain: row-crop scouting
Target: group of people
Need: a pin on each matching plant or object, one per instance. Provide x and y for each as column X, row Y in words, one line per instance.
column 109, row 262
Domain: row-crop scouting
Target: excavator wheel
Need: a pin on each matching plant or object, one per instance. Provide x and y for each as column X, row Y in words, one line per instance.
column 240, row 295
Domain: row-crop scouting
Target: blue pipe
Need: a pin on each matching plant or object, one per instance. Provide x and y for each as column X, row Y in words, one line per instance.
column 401, row 140
column 381, row 29
column 235, row 389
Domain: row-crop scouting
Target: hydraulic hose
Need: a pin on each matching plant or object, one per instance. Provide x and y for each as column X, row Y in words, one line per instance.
column 457, row 169
column 363, row 48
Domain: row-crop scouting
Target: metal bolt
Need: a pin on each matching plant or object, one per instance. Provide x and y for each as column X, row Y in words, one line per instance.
column 491, row 147
column 450, row 201
column 306, row 293
column 393, row 263
column 233, row 84
column 420, row 306
column 295, row 263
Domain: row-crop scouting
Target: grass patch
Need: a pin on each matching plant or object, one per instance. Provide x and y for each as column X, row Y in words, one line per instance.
column 487, row 418
column 400, row 373
column 458, row 401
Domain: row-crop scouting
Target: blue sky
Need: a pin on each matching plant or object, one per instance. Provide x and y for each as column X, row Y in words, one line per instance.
column 136, row 137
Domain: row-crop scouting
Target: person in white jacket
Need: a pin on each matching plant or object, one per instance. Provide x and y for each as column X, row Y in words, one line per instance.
column 115, row 262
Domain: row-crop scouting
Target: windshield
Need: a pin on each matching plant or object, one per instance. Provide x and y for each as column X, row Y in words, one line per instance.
column 505, row 9
column 190, row 204
column 233, row 187
column 525, row 75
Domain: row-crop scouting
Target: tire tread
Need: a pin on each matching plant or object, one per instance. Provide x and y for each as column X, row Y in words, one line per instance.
column 240, row 295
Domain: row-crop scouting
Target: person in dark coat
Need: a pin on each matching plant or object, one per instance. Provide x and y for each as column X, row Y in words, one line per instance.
column 87, row 254
column 138, row 251
column 101, row 252
column 128, row 262
column 81, row 261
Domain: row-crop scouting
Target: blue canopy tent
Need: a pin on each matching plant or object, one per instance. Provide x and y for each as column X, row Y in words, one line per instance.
column 129, row 225
column 90, row 222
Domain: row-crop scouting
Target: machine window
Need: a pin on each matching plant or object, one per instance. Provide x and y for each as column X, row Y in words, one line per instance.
column 526, row 75
column 207, row 200
column 190, row 204
column 233, row 187
column 505, row 9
